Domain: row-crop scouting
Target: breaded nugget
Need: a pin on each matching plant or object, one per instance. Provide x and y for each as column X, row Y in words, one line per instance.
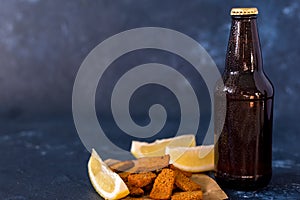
column 141, row 179
column 193, row 195
column 188, row 174
column 163, row 185
column 185, row 183
column 136, row 198
column 148, row 187
column 135, row 191
column 124, row 176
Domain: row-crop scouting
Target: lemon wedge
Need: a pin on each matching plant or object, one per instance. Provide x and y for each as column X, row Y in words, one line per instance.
column 157, row 148
column 192, row 159
column 107, row 183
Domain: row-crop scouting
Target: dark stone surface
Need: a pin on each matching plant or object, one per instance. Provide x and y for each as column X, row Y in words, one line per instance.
column 36, row 165
column 42, row 44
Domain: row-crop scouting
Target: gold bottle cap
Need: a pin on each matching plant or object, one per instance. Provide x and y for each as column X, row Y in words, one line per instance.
column 244, row 11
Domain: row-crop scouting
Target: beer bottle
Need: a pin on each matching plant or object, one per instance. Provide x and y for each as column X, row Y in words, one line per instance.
column 243, row 151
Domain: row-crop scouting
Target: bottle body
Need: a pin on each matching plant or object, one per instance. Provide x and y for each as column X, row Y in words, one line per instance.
column 243, row 152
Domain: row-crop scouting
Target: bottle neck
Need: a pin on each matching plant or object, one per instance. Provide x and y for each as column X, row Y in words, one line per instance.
column 243, row 53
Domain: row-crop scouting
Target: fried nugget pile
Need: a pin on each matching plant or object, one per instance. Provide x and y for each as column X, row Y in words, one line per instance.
column 155, row 178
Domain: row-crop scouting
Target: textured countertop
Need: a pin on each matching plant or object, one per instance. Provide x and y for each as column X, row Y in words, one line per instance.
column 49, row 162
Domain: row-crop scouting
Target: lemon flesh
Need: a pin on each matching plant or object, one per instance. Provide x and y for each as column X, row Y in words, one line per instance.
column 192, row 159
column 107, row 183
column 157, row 148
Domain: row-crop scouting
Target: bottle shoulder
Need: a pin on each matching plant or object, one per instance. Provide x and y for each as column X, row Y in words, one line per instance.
column 250, row 85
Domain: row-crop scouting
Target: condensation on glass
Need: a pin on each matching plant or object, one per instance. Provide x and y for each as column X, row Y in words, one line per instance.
column 243, row 152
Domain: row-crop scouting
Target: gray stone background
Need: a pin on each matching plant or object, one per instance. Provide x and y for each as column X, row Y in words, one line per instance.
column 43, row 42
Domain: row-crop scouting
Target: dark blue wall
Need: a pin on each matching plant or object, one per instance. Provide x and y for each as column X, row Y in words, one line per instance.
column 43, row 42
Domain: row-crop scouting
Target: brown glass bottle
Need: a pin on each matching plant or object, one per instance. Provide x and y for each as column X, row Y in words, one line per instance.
column 243, row 152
